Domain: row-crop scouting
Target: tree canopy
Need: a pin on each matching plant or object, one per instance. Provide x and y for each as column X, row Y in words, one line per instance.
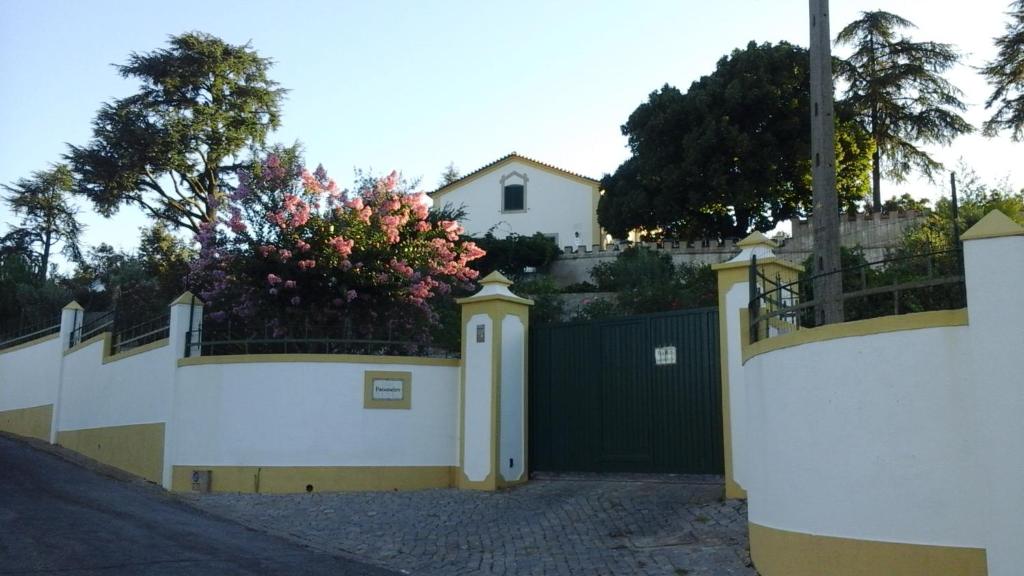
column 169, row 147
column 1006, row 76
column 896, row 89
column 48, row 217
column 731, row 154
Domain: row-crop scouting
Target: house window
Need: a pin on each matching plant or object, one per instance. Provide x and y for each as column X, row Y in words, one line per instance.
column 515, row 198
column 513, row 192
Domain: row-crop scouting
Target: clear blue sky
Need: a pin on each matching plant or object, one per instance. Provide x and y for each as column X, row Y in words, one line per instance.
column 416, row 85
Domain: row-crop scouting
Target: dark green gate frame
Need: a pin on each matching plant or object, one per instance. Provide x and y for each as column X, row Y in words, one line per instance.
column 600, row 403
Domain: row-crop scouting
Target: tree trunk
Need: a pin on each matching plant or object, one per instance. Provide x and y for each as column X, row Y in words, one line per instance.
column 876, row 161
column 876, row 170
column 44, row 264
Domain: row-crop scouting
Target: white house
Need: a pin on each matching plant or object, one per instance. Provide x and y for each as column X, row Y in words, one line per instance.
column 515, row 194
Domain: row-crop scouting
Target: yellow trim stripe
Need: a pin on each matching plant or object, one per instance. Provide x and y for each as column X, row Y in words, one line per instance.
column 336, row 358
column 783, row 553
column 135, row 351
column 295, row 479
column 916, row 321
column 30, row 343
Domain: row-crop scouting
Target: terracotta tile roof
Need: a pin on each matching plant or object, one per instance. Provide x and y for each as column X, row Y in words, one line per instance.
column 512, row 156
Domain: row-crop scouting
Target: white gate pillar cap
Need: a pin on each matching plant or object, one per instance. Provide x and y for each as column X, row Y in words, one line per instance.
column 495, row 287
column 756, row 244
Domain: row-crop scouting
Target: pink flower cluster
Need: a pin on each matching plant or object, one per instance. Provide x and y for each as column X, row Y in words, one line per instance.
column 370, row 254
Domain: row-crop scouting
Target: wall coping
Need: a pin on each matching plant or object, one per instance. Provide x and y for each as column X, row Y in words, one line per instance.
column 317, row 358
column 881, row 325
column 137, row 350
column 101, row 337
column 24, row 345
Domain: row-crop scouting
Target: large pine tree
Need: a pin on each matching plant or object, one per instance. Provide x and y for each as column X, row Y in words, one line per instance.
column 896, row 88
column 170, row 148
column 1006, row 75
column 48, row 217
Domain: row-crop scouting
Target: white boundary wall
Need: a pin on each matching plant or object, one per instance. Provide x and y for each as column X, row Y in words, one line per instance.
column 289, row 411
column 134, row 390
column 311, row 414
column 29, row 376
column 912, row 436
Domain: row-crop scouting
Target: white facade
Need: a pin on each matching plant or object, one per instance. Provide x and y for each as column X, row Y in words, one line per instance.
column 557, row 203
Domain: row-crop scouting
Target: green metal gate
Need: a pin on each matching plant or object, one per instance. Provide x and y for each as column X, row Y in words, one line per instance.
column 634, row 394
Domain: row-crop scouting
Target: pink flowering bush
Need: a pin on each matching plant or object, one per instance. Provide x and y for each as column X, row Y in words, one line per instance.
column 294, row 244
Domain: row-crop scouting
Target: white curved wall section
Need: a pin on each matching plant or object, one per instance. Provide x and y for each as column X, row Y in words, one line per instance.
column 865, row 438
column 912, row 436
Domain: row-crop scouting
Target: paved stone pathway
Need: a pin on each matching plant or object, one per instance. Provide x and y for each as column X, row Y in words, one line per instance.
column 557, row 525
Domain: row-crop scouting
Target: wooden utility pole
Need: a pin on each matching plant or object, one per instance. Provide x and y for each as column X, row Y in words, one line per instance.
column 828, row 290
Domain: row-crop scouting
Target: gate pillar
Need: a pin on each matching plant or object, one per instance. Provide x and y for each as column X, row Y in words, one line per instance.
column 733, row 331
column 492, row 412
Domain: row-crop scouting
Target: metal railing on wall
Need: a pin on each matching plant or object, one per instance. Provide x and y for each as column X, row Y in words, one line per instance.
column 140, row 334
column 28, row 333
column 123, row 338
column 227, row 337
column 98, row 324
column 902, row 285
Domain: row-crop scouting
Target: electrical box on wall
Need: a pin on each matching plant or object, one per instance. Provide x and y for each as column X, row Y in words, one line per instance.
column 201, row 480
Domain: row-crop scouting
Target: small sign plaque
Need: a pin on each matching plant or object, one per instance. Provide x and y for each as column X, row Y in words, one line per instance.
column 480, row 332
column 388, row 389
column 665, row 355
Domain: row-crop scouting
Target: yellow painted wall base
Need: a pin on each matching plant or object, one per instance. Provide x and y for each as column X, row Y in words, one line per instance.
column 292, row 479
column 136, row 448
column 734, row 491
column 783, row 553
column 30, row 422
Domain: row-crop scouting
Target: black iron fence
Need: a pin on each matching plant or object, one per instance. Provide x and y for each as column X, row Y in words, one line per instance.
column 220, row 338
column 902, row 285
column 28, row 333
column 123, row 337
column 141, row 334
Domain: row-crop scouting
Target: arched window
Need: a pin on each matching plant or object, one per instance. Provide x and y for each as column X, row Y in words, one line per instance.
column 513, row 192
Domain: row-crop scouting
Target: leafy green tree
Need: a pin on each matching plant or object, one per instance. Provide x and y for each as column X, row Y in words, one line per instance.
column 169, row 148
column 1006, row 75
column 976, row 199
column 25, row 302
column 906, row 203
column 515, row 253
column 548, row 306
column 48, row 220
column 450, row 174
column 165, row 258
column 896, row 89
column 730, row 155
column 648, row 281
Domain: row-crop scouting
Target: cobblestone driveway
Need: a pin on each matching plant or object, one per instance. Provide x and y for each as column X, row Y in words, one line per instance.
column 555, row 525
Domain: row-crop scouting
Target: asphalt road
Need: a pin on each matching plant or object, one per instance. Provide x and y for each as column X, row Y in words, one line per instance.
column 57, row 517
